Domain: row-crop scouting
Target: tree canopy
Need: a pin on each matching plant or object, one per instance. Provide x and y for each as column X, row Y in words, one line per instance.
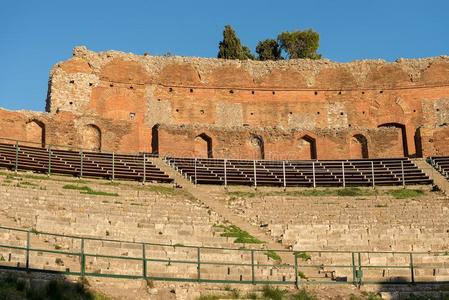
column 268, row 50
column 300, row 44
column 294, row 44
column 231, row 47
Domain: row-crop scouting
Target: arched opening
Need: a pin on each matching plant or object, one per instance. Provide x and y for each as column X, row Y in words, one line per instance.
column 91, row 138
column 307, row 147
column 402, row 139
column 35, row 133
column 258, row 147
column 418, row 142
column 203, row 146
column 155, row 139
column 358, row 147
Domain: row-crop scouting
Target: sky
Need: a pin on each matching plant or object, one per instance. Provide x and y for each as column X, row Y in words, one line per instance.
column 36, row 34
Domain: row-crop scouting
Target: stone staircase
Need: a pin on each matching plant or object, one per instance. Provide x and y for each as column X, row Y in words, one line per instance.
column 213, row 197
column 438, row 179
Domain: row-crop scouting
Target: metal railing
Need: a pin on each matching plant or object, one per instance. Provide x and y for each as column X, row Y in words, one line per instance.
column 307, row 266
column 341, row 174
column 437, row 166
column 49, row 164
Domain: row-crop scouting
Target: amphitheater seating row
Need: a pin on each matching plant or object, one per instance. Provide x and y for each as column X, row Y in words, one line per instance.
column 300, row 173
column 441, row 163
column 83, row 164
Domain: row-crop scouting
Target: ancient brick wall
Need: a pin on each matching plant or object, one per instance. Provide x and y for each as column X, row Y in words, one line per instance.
column 297, row 109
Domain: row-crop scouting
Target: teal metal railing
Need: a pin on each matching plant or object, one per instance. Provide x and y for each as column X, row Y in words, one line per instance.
column 195, row 264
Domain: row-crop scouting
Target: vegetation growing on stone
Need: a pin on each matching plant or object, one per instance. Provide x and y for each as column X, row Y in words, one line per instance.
column 87, row 190
column 340, row 192
column 370, row 296
column 406, row 193
column 21, row 176
column 273, row 255
column 273, row 293
column 169, row 190
column 303, row 255
column 240, row 235
column 267, row 293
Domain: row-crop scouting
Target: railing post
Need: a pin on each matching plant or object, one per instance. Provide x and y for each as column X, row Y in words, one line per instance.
column 412, row 268
column 283, row 174
column 17, row 157
column 27, row 263
column 313, row 174
column 354, row 272
column 144, row 262
column 198, row 264
column 296, row 271
column 144, row 167
column 225, row 173
column 113, row 166
column 253, row 276
column 195, row 170
column 255, row 174
column 82, row 260
column 372, row 174
column 81, row 162
column 403, row 176
column 343, row 173
column 360, row 269
column 49, row 160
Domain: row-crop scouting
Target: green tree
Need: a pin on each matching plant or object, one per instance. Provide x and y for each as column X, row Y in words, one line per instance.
column 231, row 47
column 300, row 44
column 268, row 50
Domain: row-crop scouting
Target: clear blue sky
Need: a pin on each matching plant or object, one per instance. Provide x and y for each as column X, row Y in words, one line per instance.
column 35, row 34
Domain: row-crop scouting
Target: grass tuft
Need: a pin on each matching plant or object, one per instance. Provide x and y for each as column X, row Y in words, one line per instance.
column 369, row 296
column 345, row 192
column 340, row 192
column 406, row 193
column 239, row 194
column 168, row 190
column 87, row 190
column 303, row 255
column 240, row 235
column 273, row 255
column 302, row 275
column 303, row 294
column 273, row 293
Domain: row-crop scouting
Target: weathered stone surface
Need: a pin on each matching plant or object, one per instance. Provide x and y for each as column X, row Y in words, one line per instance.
column 399, row 108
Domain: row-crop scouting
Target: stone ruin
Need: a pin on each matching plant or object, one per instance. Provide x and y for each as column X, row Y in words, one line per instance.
column 207, row 107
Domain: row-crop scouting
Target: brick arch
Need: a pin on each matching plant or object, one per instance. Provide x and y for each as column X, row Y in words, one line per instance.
column 358, row 146
column 258, row 145
column 35, row 132
column 403, row 136
column 203, row 146
column 91, row 137
column 307, row 147
column 386, row 111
